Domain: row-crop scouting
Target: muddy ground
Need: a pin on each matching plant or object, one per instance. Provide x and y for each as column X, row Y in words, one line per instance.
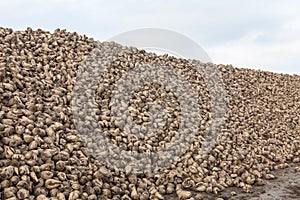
column 286, row 186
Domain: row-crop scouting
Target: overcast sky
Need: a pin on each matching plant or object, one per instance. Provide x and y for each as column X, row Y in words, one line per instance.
column 260, row 34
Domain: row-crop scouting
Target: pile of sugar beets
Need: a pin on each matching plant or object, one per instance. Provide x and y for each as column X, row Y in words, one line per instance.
column 43, row 156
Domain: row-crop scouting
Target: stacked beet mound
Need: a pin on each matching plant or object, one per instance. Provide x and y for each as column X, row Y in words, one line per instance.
column 42, row 155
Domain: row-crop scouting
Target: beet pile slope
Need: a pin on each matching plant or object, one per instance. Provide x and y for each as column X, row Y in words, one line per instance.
column 43, row 157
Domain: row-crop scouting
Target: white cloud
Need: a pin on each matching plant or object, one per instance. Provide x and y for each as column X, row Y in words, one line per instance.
column 281, row 56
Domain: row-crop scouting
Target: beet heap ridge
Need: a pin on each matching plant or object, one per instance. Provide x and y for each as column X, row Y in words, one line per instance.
column 43, row 157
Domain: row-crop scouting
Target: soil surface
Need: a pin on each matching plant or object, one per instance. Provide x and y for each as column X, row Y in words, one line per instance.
column 286, row 186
